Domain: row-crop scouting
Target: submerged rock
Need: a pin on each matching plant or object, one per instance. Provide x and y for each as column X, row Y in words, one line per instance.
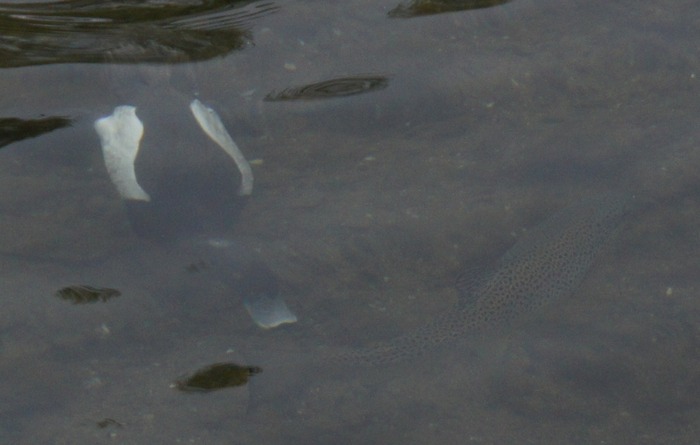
column 217, row 376
column 86, row 294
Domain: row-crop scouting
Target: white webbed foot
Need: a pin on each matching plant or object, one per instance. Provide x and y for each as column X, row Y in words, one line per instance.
column 211, row 123
column 120, row 135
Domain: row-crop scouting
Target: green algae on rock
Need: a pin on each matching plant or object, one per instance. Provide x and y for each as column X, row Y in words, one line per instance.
column 86, row 294
column 217, row 376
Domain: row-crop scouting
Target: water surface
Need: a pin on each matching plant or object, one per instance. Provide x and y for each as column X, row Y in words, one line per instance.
column 366, row 208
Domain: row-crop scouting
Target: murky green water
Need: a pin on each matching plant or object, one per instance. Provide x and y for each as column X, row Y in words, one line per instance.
column 366, row 208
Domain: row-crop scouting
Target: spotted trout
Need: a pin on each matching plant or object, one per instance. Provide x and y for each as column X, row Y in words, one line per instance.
column 545, row 265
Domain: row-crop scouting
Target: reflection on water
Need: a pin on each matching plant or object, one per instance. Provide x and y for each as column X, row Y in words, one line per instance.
column 76, row 31
column 417, row 8
column 14, row 129
column 339, row 87
column 366, row 209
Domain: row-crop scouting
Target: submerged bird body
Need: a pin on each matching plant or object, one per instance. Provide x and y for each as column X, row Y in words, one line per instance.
column 548, row 263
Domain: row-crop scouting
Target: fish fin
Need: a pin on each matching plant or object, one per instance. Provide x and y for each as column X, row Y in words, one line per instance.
column 468, row 284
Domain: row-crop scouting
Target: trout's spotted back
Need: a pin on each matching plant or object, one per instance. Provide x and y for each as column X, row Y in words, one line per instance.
column 546, row 264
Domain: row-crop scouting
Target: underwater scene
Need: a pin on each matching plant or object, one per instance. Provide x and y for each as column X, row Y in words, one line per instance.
column 313, row 222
